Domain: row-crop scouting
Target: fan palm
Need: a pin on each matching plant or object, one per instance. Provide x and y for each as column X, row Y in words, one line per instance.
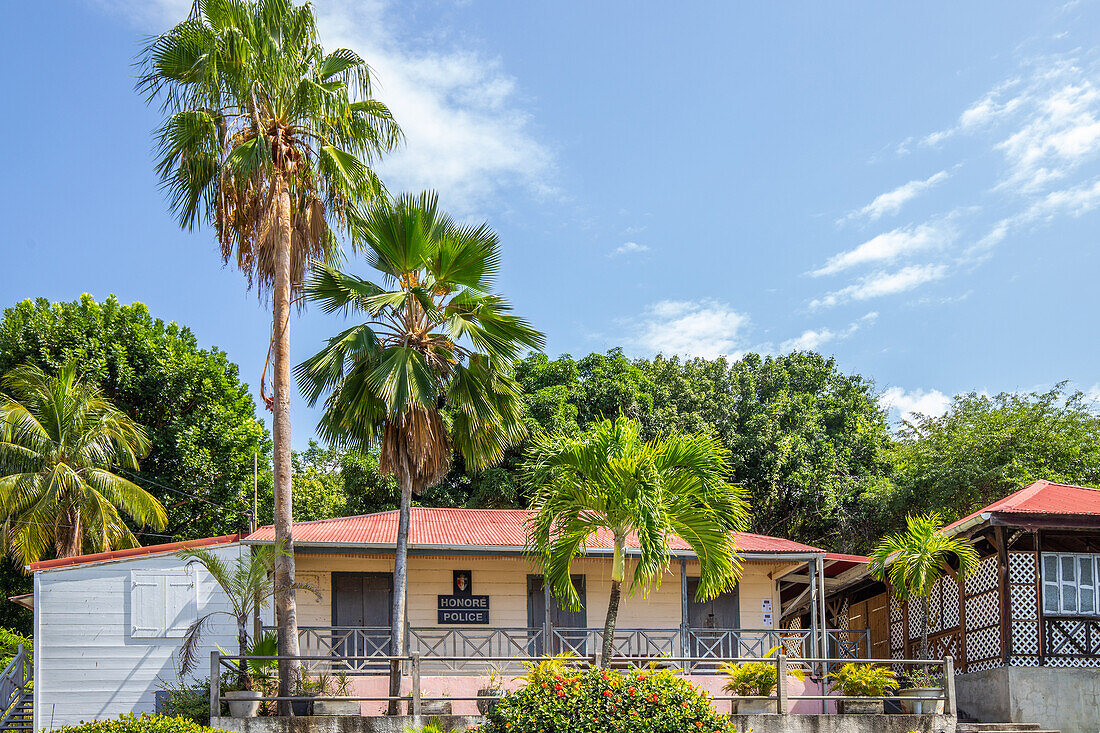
column 59, row 438
column 609, row 481
column 912, row 561
column 247, row 584
column 269, row 139
column 435, row 335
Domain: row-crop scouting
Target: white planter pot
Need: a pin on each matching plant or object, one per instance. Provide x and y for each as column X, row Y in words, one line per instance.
column 753, row 707
column 323, row 706
column 921, row 706
column 243, row 703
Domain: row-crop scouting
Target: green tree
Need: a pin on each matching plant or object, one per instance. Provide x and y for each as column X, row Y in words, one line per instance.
column 912, row 561
column 809, row 443
column 985, row 447
column 200, row 419
column 59, row 439
column 435, row 335
column 269, row 139
column 609, row 479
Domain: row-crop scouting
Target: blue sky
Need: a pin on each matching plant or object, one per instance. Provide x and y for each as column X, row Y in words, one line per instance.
column 912, row 187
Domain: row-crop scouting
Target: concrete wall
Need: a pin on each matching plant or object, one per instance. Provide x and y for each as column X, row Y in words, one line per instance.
column 1054, row 698
column 504, row 580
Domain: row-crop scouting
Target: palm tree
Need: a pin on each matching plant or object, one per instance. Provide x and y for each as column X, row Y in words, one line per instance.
column 269, row 140
column 248, row 586
column 435, row 338
column 912, row 561
column 59, row 439
column 608, row 480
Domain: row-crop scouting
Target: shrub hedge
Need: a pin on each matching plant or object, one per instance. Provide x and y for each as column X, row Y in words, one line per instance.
column 143, row 723
column 559, row 699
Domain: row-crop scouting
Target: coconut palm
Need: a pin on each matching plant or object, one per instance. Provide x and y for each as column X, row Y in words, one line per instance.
column 609, row 482
column 435, row 337
column 247, row 584
column 911, row 562
column 59, row 439
column 269, row 139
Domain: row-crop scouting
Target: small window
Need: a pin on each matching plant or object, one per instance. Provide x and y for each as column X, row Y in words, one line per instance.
column 162, row 603
column 1069, row 584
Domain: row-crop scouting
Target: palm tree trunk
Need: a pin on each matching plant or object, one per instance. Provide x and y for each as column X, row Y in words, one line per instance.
column 618, row 568
column 924, row 628
column 69, row 534
column 243, row 678
column 400, row 587
column 286, row 617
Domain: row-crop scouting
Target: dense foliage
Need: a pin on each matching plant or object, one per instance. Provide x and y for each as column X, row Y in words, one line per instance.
column 199, row 417
column 558, row 699
column 141, row 724
column 865, row 680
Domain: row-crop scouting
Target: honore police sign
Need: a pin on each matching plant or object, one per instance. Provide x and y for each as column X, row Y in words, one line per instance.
column 461, row 607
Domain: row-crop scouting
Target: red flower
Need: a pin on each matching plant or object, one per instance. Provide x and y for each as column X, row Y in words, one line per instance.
column 561, row 694
column 630, row 690
column 607, row 693
column 652, row 698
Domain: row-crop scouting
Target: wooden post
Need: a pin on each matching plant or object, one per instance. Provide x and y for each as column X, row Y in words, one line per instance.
column 415, row 674
column 781, row 684
column 1039, row 619
column 948, row 685
column 683, row 607
column 1002, row 574
column 215, row 685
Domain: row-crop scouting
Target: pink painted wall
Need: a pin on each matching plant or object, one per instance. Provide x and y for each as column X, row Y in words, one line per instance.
column 468, row 685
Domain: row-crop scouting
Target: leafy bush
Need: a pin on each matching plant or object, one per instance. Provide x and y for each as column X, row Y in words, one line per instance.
column 187, row 699
column 141, row 724
column 560, row 699
column 923, row 677
column 754, row 678
column 864, row 680
column 9, row 645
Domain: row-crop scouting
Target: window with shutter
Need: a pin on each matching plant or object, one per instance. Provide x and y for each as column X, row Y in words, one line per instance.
column 162, row 603
column 1070, row 586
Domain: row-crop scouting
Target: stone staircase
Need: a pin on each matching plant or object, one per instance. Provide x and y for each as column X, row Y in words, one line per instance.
column 1000, row 728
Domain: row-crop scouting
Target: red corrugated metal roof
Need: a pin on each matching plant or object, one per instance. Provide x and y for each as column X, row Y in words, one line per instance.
column 62, row 562
column 439, row 527
column 1042, row 497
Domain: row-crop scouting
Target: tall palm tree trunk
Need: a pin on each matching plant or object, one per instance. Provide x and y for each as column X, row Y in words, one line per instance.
column 244, row 680
column 286, row 618
column 400, row 586
column 618, row 572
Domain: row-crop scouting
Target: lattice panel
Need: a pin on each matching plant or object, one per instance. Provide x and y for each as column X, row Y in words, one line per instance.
column 842, row 617
column 950, row 611
column 916, row 617
column 940, row 647
column 1025, row 640
column 983, row 610
column 983, row 645
column 985, row 578
column 1021, row 568
column 1073, row 662
column 935, row 608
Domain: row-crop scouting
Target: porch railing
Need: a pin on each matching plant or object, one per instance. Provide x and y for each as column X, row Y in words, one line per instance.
column 412, row 666
column 364, row 649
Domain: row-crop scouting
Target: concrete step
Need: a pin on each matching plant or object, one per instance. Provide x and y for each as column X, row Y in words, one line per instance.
column 1000, row 728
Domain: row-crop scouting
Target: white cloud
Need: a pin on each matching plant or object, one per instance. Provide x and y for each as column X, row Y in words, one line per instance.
column 814, row 339
column 468, row 131
column 706, row 328
column 879, row 284
column 907, row 404
column 892, row 201
column 889, row 246
column 629, row 248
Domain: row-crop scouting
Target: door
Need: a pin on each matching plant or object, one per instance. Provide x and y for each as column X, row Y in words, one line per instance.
column 713, row 624
column 872, row 614
column 362, row 609
column 569, row 635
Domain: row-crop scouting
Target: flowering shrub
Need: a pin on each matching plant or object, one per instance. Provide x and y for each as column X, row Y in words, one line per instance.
column 558, row 699
column 141, row 724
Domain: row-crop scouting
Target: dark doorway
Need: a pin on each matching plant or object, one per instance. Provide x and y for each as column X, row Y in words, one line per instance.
column 362, row 608
column 564, row 620
column 710, row 623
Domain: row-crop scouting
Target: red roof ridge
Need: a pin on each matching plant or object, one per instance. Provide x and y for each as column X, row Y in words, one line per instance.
column 62, row 562
column 1015, row 502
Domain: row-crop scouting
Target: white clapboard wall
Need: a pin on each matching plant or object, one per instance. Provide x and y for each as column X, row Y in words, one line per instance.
column 106, row 634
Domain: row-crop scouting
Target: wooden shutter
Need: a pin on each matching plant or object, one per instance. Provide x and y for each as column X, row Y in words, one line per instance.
column 179, row 602
column 146, row 604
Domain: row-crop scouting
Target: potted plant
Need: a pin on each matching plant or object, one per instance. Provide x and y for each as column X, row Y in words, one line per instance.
column 753, row 679
column 863, row 680
column 306, row 689
column 338, row 685
column 243, row 701
column 922, row 683
column 490, row 695
column 435, row 708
